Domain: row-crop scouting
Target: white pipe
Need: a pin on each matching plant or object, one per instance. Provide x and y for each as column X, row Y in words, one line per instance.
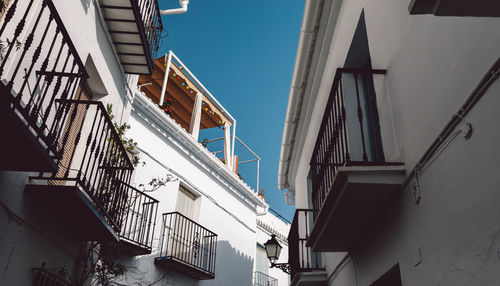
column 165, row 79
column 183, row 9
column 302, row 66
column 232, row 151
column 258, row 167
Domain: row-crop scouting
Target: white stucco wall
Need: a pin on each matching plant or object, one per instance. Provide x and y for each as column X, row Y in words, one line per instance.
column 264, row 234
column 433, row 64
column 223, row 206
column 90, row 37
column 29, row 233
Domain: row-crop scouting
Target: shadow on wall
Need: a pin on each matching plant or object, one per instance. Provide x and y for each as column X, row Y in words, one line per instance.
column 86, row 5
column 232, row 267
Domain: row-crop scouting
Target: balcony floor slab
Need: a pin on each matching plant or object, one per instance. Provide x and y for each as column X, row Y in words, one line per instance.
column 316, row 278
column 22, row 151
column 184, row 268
column 73, row 207
column 355, row 198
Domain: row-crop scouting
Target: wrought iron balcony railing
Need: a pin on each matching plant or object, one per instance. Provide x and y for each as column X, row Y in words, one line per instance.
column 136, row 236
column 262, row 279
column 92, row 159
column 38, row 65
column 151, row 21
column 349, row 134
column 300, row 257
column 43, row 277
column 187, row 247
column 135, row 28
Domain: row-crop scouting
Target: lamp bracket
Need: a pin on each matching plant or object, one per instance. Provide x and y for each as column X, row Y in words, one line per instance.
column 285, row 267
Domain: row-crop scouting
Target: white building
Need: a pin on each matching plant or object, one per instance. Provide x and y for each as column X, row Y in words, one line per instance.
column 268, row 224
column 211, row 226
column 390, row 144
column 65, row 170
column 73, row 210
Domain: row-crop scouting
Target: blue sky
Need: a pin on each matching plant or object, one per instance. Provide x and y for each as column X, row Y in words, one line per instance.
column 243, row 52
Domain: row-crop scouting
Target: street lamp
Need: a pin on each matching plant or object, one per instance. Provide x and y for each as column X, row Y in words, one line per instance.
column 273, row 250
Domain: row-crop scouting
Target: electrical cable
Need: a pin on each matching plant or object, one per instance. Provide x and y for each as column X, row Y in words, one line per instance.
column 195, row 188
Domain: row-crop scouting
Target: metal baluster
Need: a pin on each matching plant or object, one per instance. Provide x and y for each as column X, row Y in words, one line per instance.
column 347, row 160
column 153, row 227
column 88, row 150
column 360, row 118
column 66, row 136
column 17, row 32
column 8, row 16
column 27, row 46
column 48, row 78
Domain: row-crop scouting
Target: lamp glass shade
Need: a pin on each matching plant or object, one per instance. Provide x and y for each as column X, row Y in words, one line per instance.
column 273, row 249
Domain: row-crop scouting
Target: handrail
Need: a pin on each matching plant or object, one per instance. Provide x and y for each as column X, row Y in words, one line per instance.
column 102, row 109
column 349, row 133
column 301, row 257
column 92, row 156
column 38, row 65
column 262, row 279
column 139, row 219
column 185, row 240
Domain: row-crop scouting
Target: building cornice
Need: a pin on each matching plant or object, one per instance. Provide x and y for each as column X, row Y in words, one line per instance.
column 270, row 231
column 316, row 31
column 200, row 156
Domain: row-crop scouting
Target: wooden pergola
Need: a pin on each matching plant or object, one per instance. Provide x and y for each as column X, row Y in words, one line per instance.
column 182, row 92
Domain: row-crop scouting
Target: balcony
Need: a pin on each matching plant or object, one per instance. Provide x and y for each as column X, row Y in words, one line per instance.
column 38, row 66
column 350, row 177
column 302, row 258
column 138, row 223
column 86, row 192
column 43, row 277
column 187, row 247
column 135, row 27
column 262, row 279
column 477, row 8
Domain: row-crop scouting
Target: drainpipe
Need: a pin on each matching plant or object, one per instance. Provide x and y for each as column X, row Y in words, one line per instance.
column 182, row 10
column 303, row 59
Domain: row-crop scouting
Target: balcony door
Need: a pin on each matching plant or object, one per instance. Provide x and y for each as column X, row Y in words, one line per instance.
column 185, row 202
column 72, row 127
column 184, row 241
column 360, row 101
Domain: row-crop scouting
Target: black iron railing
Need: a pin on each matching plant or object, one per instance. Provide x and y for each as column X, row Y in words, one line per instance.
column 349, row 134
column 38, row 65
column 139, row 220
column 300, row 257
column 262, row 279
column 92, row 157
column 189, row 242
column 43, row 277
column 151, row 24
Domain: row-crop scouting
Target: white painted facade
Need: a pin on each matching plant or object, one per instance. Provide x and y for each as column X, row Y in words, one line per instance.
column 267, row 225
column 433, row 64
column 224, row 204
column 29, row 233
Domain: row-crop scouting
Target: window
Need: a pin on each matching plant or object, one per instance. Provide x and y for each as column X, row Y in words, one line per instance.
column 261, row 260
column 185, row 202
column 359, row 57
